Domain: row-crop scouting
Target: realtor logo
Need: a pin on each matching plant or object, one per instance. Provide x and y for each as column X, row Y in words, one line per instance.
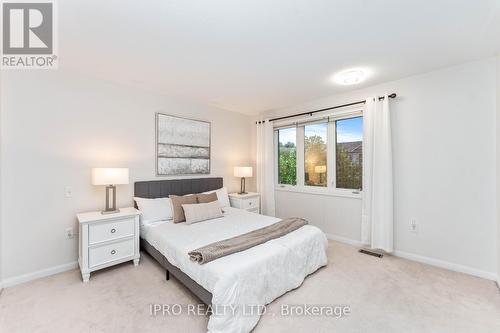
column 28, row 35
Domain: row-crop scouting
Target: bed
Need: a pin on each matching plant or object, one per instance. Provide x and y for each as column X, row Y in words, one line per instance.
column 238, row 285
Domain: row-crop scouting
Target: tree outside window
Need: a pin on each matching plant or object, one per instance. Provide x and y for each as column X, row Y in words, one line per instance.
column 287, row 156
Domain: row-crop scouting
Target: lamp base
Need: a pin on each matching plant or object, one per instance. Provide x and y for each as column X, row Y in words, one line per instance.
column 104, row 212
column 110, row 207
column 242, row 189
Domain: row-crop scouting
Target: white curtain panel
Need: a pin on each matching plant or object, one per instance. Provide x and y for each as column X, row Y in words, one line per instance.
column 377, row 213
column 265, row 166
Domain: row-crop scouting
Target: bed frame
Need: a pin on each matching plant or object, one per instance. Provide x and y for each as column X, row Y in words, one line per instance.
column 161, row 189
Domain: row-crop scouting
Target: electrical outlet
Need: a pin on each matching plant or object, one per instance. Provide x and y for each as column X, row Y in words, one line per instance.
column 413, row 226
column 68, row 192
column 69, row 233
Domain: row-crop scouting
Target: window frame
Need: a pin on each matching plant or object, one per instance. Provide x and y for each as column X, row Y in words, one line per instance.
column 300, row 186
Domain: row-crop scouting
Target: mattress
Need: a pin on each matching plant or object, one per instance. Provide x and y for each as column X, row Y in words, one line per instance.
column 245, row 280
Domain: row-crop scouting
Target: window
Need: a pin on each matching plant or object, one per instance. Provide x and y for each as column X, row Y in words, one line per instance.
column 287, row 156
column 315, row 141
column 323, row 154
column 349, row 152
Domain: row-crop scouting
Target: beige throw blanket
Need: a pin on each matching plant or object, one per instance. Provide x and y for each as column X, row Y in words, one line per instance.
column 243, row 242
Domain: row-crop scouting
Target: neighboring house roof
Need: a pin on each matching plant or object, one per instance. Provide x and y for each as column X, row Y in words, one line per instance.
column 352, row 147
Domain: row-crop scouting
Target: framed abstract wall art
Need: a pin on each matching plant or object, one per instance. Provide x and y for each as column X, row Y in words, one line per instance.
column 182, row 146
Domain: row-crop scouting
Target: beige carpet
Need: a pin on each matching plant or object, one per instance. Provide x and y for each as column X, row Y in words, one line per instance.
column 388, row 295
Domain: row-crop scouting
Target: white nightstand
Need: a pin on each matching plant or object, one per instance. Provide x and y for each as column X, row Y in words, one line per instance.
column 107, row 240
column 249, row 201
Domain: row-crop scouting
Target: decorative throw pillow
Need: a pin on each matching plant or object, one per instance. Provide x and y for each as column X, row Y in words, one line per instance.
column 177, row 202
column 202, row 212
column 206, row 198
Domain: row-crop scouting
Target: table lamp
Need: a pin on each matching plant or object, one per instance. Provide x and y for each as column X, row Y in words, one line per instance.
column 321, row 169
column 110, row 177
column 242, row 172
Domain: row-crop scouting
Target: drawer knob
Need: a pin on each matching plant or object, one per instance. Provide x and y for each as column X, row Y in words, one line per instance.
column 250, row 203
column 113, row 251
column 113, row 230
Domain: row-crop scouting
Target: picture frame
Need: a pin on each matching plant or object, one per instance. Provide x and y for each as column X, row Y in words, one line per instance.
column 183, row 146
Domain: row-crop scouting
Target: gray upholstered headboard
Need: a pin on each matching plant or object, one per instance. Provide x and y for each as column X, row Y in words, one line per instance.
column 163, row 188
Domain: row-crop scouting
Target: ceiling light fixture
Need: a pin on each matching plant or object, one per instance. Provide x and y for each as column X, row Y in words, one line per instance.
column 351, row 76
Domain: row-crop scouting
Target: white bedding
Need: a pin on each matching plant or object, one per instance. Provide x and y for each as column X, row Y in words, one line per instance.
column 254, row 277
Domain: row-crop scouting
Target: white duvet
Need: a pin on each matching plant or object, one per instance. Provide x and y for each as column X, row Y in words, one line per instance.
column 243, row 281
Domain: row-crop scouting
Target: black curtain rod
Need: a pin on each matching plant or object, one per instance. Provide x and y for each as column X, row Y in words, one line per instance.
column 393, row 95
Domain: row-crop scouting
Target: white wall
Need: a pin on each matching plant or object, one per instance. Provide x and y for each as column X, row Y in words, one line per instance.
column 55, row 127
column 444, row 167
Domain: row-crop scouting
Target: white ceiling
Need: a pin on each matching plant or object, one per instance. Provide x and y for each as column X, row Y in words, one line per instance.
column 254, row 55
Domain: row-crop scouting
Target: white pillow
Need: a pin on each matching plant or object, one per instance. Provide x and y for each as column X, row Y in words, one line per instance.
column 222, row 197
column 202, row 212
column 154, row 210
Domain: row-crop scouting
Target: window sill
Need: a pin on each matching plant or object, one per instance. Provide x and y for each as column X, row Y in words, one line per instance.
column 320, row 191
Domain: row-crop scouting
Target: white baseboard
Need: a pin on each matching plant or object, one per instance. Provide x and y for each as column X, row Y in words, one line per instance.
column 447, row 265
column 344, row 240
column 426, row 260
column 9, row 282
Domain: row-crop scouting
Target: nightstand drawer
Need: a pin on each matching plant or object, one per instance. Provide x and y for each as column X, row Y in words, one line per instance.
column 107, row 253
column 112, row 230
column 250, row 203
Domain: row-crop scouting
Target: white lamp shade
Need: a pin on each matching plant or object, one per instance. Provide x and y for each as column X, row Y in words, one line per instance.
column 243, row 171
column 109, row 176
column 320, row 169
